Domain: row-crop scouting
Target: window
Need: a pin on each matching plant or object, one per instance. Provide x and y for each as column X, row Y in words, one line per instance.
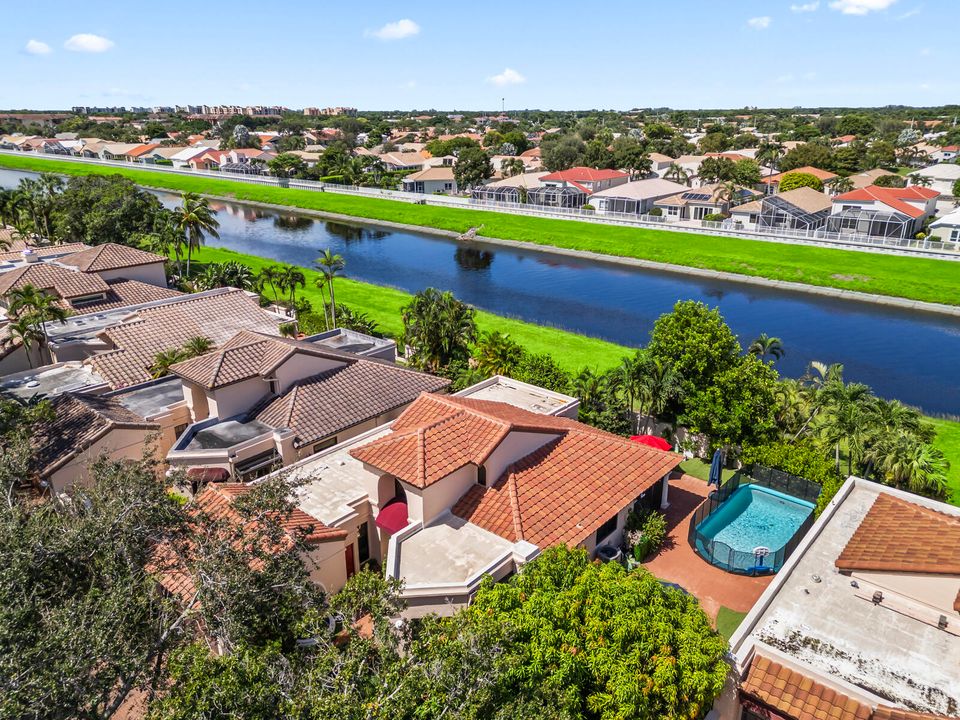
column 673, row 211
column 955, row 235
column 88, row 300
column 324, row 444
column 481, row 475
column 180, row 429
column 606, row 529
column 363, row 543
column 274, row 385
column 258, row 466
column 753, row 218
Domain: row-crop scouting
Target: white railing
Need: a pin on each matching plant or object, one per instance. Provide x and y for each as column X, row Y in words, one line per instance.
column 910, row 247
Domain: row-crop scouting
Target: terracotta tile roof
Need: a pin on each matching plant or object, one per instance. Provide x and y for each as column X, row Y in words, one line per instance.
column 124, row 293
column 44, row 276
column 566, row 489
column 584, row 174
column 559, row 493
column 217, row 317
column 110, row 256
column 79, row 421
column 438, row 434
column 900, row 536
column 823, row 175
column 215, row 504
column 796, row 696
column 340, row 398
column 17, row 246
column 895, row 198
column 885, row 712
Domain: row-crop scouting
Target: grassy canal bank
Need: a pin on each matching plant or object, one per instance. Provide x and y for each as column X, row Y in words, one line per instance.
column 922, row 279
column 571, row 350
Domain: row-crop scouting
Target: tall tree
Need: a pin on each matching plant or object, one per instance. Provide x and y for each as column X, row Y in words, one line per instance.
column 196, row 219
column 471, row 168
column 331, row 265
column 438, row 328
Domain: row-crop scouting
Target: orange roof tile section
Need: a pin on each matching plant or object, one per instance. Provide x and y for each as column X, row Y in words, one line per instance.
column 559, row 493
column 900, row 536
column 797, row 696
column 895, row 198
column 884, row 712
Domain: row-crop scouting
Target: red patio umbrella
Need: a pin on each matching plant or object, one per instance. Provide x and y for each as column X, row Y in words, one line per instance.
column 652, row 440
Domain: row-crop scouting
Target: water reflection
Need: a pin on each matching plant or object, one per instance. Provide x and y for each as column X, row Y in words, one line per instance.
column 292, row 223
column 354, row 233
column 472, row 259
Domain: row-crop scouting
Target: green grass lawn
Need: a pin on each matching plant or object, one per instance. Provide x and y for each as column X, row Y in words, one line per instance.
column 948, row 440
column 700, row 469
column 915, row 278
column 728, row 621
column 383, row 305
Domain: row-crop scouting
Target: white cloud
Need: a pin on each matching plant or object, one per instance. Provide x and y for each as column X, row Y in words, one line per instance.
column 910, row 13
column 88, row 43
column 395, row 30
column 760, row 23
column 860, row 7
column 806, row 7
column 509, row 76
column 36, row 47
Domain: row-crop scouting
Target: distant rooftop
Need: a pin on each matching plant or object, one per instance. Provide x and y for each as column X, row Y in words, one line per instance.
column 151, row 398
column 519, row 394
column 50, row 380
column 227, row 433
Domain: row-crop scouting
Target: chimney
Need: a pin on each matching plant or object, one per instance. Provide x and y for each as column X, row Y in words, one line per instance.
column 29, row 256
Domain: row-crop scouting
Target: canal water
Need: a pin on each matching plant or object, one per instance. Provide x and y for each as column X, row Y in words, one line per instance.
column 901, row 354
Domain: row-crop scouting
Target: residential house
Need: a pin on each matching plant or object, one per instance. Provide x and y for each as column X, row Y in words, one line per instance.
column 182, row 158
column 948, row 153
column 259, row 401
column 117, row 151
column 635, row 198
column 513, row 189
column 771, row 183
column 571, row 188
column 867, row 177
column 461, row 487
column 883, row 211
column 843, row 140
column 394, row 161
column 862, row 621
column 432, row 180
column 323, row 556
column 83, row 428
column 802, row 208
column 660, row 163
column 946, row 228
column 942, row 176
column 696, row 203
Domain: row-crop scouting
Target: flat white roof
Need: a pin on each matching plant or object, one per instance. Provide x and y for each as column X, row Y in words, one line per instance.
column 332, row 481
column 643, row 189
column 50, row 380
column 450, row 551
column 825, row 626
column 519, row 394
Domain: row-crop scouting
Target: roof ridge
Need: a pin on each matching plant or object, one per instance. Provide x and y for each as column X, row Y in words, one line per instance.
column 513, row 495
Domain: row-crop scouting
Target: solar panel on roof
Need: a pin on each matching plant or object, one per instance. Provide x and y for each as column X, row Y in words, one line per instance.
column 694, row 196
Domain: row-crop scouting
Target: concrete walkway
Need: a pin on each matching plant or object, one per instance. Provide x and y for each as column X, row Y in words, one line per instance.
column 678, row 563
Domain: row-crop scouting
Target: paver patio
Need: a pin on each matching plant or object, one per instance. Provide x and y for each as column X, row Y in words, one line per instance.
column 678, row 563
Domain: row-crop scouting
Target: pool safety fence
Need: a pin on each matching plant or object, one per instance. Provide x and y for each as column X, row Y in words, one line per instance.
column 721, row 555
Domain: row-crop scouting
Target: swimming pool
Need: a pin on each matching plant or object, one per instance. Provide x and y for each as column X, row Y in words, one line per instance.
column 752, row 517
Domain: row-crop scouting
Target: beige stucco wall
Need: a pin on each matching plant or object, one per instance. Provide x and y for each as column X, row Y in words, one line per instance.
column 441, row 496
column 936, row 591
column 301, row 366
column 327, row 565
column 514, row 446
column 116, row 444
column 196, row 399
column 152, row 274
column 238, row 398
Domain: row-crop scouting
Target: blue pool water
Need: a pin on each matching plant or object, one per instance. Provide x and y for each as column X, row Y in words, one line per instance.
column 752, row 517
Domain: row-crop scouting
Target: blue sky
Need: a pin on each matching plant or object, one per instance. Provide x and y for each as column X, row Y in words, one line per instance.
column 563, row 55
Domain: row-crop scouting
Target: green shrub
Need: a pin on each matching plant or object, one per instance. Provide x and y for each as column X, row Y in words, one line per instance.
column 800, row 458
column 656, row 212
column 714, row 217
column 793, row 180
column 588, row 207
column 644, row 533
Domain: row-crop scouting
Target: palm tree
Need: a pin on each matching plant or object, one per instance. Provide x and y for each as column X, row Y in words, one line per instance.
column 770, row 153
column 844, row 419
column 438, row 329
column 921, row 180
column 163, row 360
column 38, row 306
column 497, row 354
column 270, row 276
column 27, row 332
column 728, row 193
column 903, row 459
column 587, row 386
column 678, row 174
column 765, row 346
column 331, row 265
column 659, row 384
column 196, row 218
column 842, row 185
column 197, row 345
column 292, row 277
